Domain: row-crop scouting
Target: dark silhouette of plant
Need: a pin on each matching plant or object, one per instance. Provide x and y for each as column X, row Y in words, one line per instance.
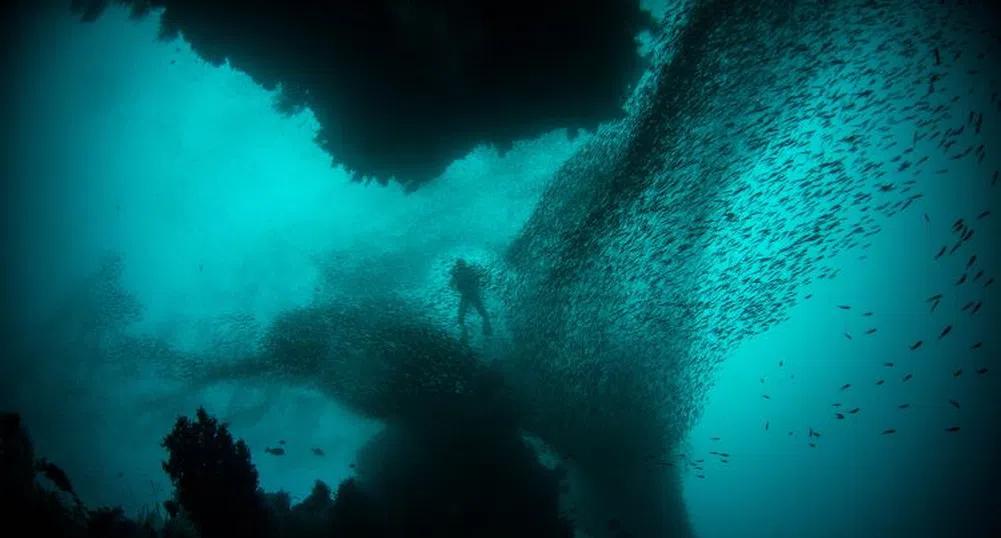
column 214, row 479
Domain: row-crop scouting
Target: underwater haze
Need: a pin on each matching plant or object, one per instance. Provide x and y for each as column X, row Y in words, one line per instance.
column 800, row 266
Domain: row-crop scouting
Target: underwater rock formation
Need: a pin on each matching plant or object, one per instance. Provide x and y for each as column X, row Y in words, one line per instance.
column 402, row 89
column 457, row 469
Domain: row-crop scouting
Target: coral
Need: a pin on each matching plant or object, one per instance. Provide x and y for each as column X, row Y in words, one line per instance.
column 457, row 468
column 354, row 514
column 214, row 479
column 17, row 457
column 31, row 509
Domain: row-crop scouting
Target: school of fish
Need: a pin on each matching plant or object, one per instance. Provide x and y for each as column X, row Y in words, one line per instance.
column 752, row 160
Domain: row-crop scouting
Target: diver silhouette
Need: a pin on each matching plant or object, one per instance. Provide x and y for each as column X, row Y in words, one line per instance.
column 469, row 281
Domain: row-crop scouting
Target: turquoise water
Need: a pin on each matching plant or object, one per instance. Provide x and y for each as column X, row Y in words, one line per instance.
column 221, row 208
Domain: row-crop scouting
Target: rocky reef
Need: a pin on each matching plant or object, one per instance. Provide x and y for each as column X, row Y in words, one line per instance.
column 457, row 468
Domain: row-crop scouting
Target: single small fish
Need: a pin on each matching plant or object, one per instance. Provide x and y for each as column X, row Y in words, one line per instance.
column 916, row 345
column 888, row 364
column 846, row 386
column 839, row 416
column 945, row 331
column 813, row 445
column 973, row 259
column 952, row 429
column 961, row 279
column 984, row 214
column 982, row 371
column 954, row 403
column 976, row 346
column 837, row 404
column 867, row 314
column 979, row 274
column 701, row 475
column 724, row 455
column 714, row 453
column 957, row 373
column 934, row 298
column 275, row 451
column 848, row 336
column 765, row 396
column 976, row 307
column 940, row 253
column 854, row 411
column 889, row 432
column 908, row 377
column 880, row 382
column 766, row 425
column 714, row 438
column 318, row 451
column 281, row 441
column 903, row 406
column 781, row 363
column 844, row 307
column 989, row 282
column 870, row 331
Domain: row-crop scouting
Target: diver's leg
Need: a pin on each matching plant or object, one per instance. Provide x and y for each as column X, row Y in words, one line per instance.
column 478, row 305
column 463, row 306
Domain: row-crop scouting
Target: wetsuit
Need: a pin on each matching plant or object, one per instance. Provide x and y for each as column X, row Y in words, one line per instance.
column 468, row 282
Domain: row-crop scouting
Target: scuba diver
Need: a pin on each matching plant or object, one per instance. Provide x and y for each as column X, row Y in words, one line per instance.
column 469, row 281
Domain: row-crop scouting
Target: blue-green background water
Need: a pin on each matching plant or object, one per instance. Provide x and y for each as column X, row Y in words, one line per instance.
column 219, row 206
